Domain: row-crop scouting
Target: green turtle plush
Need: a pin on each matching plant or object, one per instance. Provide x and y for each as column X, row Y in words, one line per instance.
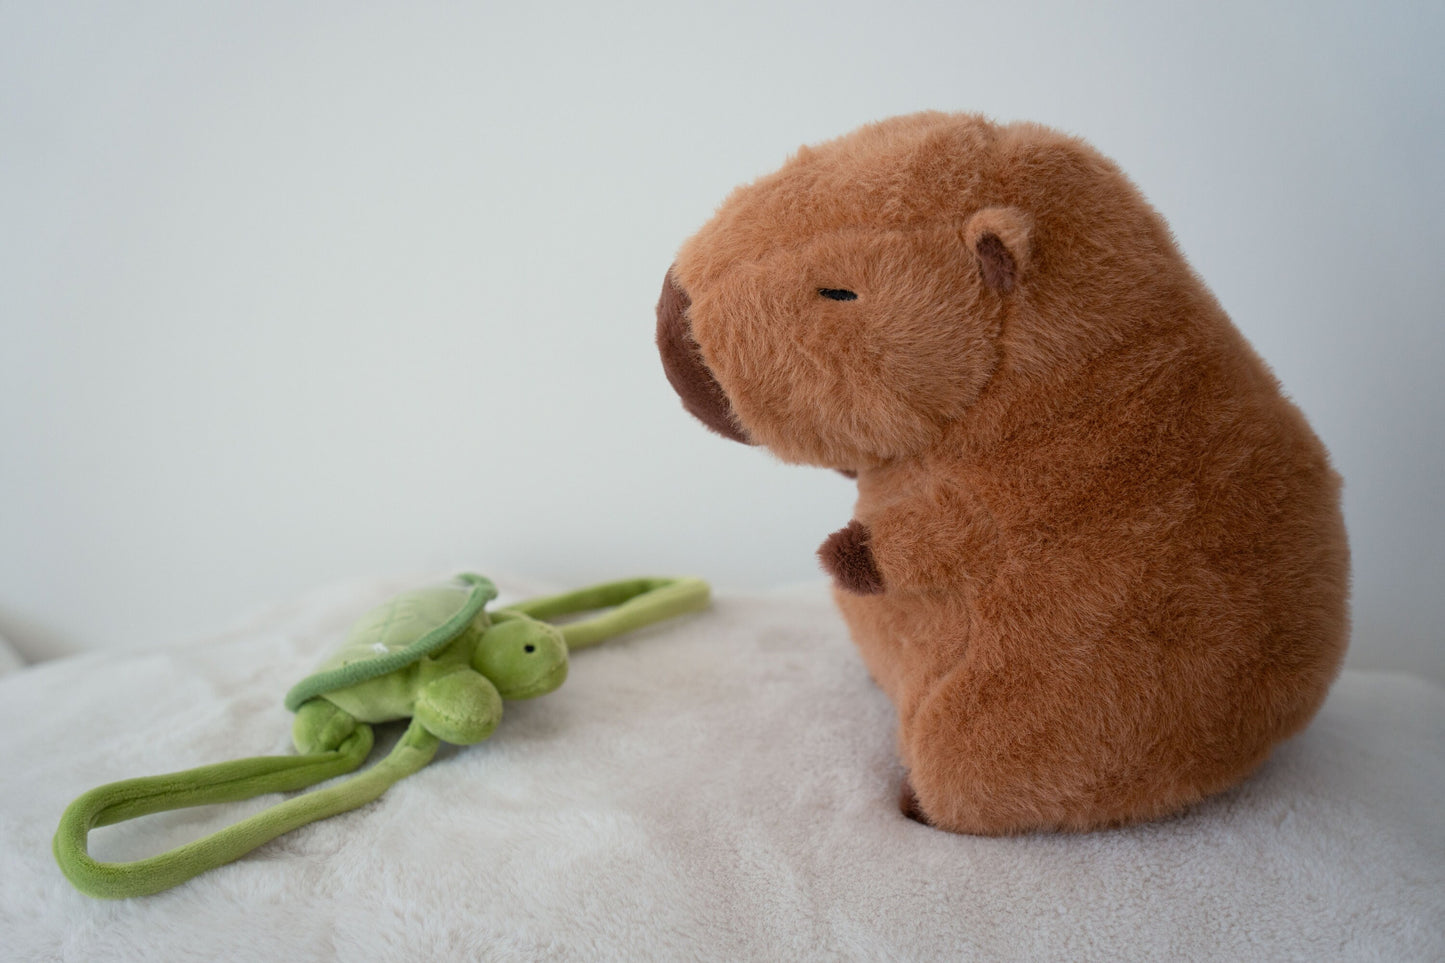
column 435, row 656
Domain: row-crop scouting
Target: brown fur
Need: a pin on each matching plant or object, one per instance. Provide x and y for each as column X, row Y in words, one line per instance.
column 1113, row 562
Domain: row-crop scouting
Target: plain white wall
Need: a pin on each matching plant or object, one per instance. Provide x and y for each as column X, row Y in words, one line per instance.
column 295, row 293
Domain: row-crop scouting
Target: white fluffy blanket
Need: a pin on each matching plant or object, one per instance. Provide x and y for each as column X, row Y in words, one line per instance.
column 719, row 787
column 9, row 659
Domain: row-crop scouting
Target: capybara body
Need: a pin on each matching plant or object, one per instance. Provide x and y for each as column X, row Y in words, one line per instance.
column 1097, row 560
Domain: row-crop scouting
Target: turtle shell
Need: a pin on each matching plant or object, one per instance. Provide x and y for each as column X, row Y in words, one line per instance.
column 396, row 634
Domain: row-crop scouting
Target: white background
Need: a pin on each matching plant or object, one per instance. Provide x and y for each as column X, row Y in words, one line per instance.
column 296, row 293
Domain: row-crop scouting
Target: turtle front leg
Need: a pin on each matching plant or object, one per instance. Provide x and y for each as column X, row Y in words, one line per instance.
column 461, row 707
column 321, row 726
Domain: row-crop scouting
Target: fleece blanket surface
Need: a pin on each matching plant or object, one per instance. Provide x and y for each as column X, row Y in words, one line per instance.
column 722, row 786
column 9, row 659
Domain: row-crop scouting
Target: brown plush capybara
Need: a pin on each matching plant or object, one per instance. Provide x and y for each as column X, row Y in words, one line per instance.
column 1097, row 561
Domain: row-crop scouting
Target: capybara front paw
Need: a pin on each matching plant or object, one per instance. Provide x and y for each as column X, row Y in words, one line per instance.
column 847, row 557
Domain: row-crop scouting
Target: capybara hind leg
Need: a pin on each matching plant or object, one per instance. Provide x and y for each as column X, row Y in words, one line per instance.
column 994, row 756
column 980, row 765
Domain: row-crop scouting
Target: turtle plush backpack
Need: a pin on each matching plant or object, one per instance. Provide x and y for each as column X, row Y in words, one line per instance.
column 435, row 656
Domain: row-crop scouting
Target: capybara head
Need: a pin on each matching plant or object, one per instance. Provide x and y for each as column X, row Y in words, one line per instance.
column 845, row 309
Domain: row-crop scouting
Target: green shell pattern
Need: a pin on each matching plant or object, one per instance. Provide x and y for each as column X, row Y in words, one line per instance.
column 396, row 634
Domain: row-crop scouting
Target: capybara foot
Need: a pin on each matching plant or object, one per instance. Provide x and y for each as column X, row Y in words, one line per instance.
column 908, row 803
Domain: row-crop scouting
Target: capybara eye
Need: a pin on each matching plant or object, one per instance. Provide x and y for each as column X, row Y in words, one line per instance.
column 837, row 294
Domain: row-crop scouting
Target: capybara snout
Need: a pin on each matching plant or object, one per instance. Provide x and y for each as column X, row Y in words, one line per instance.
column 685, row 368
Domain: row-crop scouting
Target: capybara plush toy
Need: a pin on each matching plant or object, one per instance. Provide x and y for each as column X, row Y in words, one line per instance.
column 1097, row 561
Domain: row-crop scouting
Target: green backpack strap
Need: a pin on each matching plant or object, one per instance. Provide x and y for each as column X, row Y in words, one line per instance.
column 633, row 603
column 226, row 782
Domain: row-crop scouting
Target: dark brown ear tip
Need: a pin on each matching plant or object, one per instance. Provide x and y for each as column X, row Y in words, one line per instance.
column 995, row 262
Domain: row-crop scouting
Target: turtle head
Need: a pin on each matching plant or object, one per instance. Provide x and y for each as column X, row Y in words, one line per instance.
column 522, row 657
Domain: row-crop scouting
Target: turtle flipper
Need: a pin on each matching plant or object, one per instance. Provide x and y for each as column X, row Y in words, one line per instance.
column 461, row 707
column 320, row 726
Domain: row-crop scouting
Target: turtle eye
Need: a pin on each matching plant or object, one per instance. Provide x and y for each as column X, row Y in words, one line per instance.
column 529, row 647
column 837, row 294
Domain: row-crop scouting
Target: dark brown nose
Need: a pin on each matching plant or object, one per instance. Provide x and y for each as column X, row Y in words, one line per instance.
column 688, row 374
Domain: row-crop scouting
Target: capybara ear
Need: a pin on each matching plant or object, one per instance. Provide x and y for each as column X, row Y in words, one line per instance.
column 1000, row 238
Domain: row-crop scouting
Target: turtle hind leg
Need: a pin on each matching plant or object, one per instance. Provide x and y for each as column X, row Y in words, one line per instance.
column 321, row 726
column 461, row 707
